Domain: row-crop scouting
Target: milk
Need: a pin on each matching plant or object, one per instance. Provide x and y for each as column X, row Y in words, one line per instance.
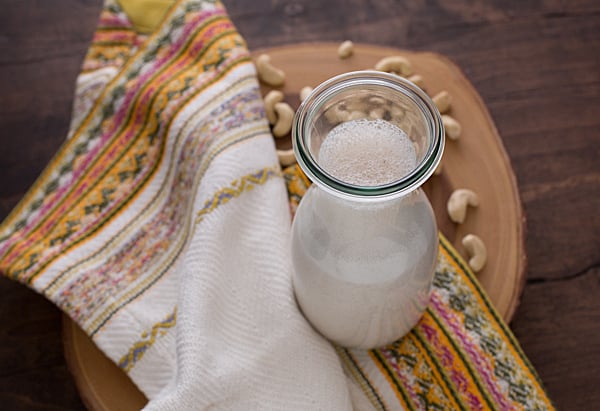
column 367, row 153
column 363, row 270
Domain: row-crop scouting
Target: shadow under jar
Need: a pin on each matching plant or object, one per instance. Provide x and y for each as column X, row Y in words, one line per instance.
column 364, row 238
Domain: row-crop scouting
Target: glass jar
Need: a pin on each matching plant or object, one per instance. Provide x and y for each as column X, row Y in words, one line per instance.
column 364, row 251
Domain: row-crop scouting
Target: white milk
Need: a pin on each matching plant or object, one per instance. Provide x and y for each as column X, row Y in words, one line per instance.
column 363, row 270
column 367, row 153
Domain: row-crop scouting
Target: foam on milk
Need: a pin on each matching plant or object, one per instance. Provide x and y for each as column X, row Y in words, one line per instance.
column 367, row 152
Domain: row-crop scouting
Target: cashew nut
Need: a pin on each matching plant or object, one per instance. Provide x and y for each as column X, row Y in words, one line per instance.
column 417, row 80
column 273, row 97
column 458, row 202
column 377, row 113
column 395, row 64
column 304, row 92
column 476, row 251
column 285, row 116
column 397, row 113
column 267, row 72
column 416, row 146
column 438, row 169
column 356, row 115
column 337, row 114
column 286, row 157
column 452, row 127
column 346, row 49
column 442, row 101
column 377, row 101
column 357, row 108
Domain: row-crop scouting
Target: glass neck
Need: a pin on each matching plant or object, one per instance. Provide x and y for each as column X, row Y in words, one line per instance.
column 407, row 106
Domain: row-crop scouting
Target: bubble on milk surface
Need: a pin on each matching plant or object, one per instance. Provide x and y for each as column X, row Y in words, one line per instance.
column 367, row 153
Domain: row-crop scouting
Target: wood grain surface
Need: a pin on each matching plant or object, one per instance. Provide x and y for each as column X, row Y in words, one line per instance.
column 535, row 64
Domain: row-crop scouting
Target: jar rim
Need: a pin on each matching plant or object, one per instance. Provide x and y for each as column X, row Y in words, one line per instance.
column 397, row 188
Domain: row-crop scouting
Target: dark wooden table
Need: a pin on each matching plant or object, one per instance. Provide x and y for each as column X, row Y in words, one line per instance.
column 536, row 66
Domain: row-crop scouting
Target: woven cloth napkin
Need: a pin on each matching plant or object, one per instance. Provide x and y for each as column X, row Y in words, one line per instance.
column 162, row 228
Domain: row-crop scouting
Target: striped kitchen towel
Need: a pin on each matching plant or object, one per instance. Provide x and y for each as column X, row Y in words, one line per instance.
column 162, row 228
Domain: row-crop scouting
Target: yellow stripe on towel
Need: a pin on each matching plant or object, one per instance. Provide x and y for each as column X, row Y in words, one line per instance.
column 146, row 15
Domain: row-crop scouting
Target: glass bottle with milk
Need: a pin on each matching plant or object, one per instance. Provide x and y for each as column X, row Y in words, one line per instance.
column 364, row 238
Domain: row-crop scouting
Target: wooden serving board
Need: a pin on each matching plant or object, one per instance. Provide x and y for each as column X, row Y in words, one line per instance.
column 476, row 161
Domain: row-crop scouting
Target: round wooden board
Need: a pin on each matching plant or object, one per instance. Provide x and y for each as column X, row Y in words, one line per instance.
column 477, row 161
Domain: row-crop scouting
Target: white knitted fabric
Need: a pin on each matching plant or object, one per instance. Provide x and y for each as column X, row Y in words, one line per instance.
column 242, row 344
